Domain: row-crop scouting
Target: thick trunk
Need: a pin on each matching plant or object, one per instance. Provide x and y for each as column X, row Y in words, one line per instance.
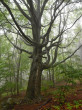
column 34, row 83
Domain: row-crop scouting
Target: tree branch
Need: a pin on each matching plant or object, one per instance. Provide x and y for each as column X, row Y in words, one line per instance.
column 22, row 50
column 23, row 35
column 21, row 10
column 42, row 9
column 67, row 57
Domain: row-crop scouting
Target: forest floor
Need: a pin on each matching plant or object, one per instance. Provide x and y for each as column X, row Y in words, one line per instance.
column 72, row 101
column 53, row 100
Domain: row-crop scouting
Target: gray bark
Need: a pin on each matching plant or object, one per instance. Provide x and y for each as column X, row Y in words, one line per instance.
column 34, row 83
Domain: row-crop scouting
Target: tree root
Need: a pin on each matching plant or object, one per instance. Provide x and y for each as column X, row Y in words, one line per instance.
column 31, row 101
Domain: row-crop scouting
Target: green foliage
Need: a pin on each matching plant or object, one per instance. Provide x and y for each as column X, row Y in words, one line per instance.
column 69, row 106
column 61, row 93
column 70, row 72
column 8, row 67
column 80, row 101
column 46, row 85
column 56, row 107
column 6, row 87
column 77, row 104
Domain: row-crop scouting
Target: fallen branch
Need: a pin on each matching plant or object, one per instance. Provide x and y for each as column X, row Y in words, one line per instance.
column 44, row 103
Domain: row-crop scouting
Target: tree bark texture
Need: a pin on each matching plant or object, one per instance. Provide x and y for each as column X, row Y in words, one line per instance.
column 34, row 83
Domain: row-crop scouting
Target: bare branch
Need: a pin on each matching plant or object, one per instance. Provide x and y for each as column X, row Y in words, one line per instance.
column 22, row 50
column 42, row 9
column 67, row 57
column 48, row 56
column 23, row 35
column 26, row 4
column 71, row 41
column 21, row 10
column 73, row 23
column 51, row 22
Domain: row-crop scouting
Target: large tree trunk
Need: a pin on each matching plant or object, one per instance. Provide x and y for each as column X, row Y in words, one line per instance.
column 34, row 83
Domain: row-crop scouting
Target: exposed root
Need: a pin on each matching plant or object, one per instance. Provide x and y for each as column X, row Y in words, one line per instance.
column 31, row 101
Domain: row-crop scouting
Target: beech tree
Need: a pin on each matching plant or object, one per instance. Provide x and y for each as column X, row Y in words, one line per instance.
column 42, row 25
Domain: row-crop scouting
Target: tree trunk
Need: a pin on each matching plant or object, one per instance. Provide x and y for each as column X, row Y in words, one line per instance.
column 21, row 78
column 50, row 75
column 18, row 71
column 34, row 83
column 53, row 77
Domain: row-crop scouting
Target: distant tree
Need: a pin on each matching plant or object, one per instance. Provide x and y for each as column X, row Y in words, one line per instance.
column 42, row 25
